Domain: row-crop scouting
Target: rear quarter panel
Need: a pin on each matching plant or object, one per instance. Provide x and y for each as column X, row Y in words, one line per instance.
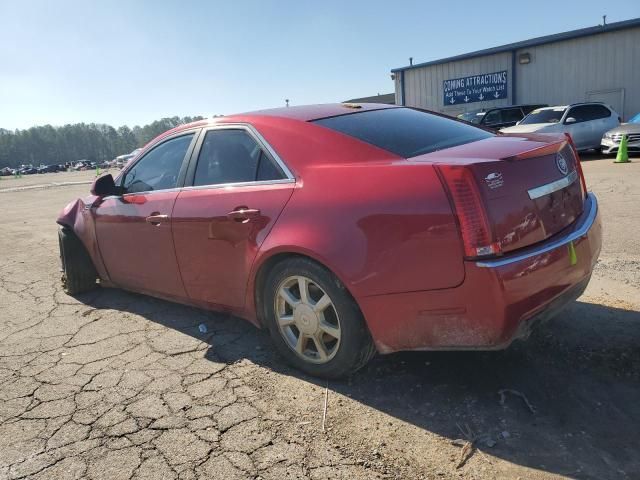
column 381, row 223
column 383, row 227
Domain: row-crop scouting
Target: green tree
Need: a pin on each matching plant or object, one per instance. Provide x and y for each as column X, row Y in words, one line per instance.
column 97, row 142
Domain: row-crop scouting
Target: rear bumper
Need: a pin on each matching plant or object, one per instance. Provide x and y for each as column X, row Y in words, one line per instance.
column 499, row 299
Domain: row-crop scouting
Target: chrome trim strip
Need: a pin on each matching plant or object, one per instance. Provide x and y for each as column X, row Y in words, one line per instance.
column 239, row 184
column 150, row 192
column 543, row 190
column 207, row 187
column 579, row 231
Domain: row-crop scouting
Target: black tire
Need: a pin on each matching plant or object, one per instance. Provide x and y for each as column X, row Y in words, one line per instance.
column 355, row 347
column 78, row 273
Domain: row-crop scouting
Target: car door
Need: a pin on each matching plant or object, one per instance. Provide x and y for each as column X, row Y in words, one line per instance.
column 134, row 229
column 238, row 188
column 577, row 124
column 603, row 121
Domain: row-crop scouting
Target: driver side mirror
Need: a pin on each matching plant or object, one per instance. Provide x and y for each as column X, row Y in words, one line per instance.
column 104, row 186
column 570, row 120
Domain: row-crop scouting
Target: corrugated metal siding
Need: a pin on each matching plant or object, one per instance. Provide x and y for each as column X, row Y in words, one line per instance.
column 566, row 72
column 398, row 86
column 424, row 87
column 559, row 73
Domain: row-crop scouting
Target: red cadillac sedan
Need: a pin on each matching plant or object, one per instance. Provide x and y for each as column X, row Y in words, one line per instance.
column 345, row 229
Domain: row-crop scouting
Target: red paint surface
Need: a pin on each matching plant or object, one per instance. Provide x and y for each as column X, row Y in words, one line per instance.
column 383, row 224
column 215, row 253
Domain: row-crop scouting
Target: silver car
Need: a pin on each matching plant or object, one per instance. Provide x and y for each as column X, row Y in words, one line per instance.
column 611, row 140
column 585, row 122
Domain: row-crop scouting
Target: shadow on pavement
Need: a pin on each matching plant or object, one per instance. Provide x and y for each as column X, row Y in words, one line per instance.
column 580, row 372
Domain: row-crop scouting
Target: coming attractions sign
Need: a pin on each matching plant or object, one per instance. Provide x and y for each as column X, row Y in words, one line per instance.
column 475, row 88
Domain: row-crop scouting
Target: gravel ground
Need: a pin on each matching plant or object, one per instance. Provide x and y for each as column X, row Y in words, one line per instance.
column 114, row 385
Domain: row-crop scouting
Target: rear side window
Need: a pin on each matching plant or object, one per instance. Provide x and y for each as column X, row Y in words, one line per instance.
column 584, row 113
column 599, row 111
column 233, row 156
column 404, row 131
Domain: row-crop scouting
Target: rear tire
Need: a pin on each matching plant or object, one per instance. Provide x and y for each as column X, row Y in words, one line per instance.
column 78, row 273
column 324, row 334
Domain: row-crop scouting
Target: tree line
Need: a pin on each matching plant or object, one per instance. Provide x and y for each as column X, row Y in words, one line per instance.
column 81, row 141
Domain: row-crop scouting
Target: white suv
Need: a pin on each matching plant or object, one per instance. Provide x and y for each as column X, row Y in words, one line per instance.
column 585, row 122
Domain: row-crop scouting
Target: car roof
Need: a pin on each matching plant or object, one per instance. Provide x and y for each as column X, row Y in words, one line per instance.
column 572, row 105
column 308, row 113
column 555, row 107
column 303, row 113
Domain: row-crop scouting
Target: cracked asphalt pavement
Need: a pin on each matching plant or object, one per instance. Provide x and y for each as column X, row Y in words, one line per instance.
column 114, row 385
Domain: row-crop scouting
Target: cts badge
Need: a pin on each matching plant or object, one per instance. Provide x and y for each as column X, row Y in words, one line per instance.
column 561, row 163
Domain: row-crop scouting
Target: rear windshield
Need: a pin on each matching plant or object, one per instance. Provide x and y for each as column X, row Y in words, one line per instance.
column 544, row 116
column 404, row 131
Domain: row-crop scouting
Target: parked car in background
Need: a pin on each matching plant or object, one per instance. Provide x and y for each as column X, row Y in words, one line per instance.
column 345, row 230
column 27, row 170
column 611, row 139
column 81, row 165
column 499, row 117
column 585, row 122
column 6, row 171
column 48, row 168
column 122, row 160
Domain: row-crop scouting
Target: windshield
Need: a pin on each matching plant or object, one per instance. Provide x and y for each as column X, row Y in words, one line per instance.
column 473, row 117
column 552, row 115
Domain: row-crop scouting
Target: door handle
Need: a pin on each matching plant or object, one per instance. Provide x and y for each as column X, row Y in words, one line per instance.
column 156, row 219
column 243, row 214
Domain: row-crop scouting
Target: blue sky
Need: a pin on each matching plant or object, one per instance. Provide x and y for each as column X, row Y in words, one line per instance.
column 131, row 62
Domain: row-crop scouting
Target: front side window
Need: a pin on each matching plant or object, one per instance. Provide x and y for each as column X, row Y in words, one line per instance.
column 492, row 118
column 158, row 169
column 581, row 113
column 233, row 156
column 404, row 131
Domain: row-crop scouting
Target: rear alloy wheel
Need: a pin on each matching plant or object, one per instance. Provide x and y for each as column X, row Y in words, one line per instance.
column 307, row 319
column 314, row 322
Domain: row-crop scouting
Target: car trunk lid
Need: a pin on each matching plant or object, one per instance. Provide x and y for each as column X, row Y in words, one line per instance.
column 530, row 186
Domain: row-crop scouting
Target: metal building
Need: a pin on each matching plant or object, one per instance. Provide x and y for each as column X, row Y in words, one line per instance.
column 599, row 63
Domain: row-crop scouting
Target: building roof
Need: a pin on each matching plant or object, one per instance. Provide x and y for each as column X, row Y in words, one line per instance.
column 557, row 37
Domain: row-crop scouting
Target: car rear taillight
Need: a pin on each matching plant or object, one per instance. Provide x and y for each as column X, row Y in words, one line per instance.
column 477, row 236
column 583, row 182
